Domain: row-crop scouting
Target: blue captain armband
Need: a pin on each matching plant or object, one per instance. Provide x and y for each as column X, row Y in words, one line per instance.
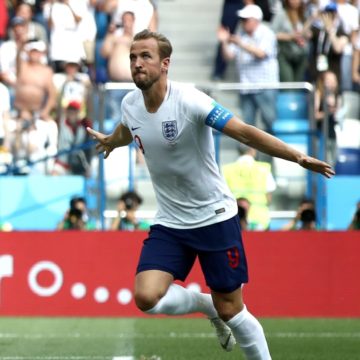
column 218, row 117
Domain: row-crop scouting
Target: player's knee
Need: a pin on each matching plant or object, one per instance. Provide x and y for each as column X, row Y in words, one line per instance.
column 227, row 310
column 227, row 313
column 145, row 300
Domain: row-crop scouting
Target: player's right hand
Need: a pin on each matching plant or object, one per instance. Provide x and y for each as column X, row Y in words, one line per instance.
column 105, row 144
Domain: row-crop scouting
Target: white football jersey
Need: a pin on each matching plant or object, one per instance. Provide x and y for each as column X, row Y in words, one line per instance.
column 179, row 151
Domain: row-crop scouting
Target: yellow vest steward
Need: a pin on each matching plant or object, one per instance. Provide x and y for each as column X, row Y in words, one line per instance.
column 249, row 180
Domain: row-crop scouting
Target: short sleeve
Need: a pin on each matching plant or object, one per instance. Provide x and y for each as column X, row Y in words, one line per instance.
column 206, row 110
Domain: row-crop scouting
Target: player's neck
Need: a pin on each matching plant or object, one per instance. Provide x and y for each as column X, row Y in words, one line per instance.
column 154, row 97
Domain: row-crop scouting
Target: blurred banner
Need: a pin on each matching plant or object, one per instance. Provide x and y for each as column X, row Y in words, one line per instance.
column 92, row 273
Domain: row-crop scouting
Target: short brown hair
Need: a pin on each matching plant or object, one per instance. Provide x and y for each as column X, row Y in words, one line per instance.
column 165, row 48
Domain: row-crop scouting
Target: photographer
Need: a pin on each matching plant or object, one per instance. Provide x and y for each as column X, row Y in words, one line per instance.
column 355, row 222
column 305, row 218
column 128, row 204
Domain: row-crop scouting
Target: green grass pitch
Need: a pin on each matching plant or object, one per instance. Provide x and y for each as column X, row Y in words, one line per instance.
column 169, row 339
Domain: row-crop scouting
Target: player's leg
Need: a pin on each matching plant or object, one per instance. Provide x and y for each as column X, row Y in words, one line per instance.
column 225, row 271
column 155, row 293
column 164, row 258
column 246, row 329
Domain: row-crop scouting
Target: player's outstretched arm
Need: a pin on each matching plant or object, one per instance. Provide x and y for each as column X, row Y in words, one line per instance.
column 273, row 146
column 107, row 143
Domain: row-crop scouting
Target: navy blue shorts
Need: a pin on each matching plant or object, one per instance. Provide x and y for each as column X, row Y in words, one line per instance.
column 219, row 248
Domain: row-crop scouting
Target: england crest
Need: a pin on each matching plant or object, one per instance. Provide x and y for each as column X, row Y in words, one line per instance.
column 170, row 130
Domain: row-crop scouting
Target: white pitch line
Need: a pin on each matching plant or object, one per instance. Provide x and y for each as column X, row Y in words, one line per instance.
column 171, row 335
column 67, row 357
column 56, row 357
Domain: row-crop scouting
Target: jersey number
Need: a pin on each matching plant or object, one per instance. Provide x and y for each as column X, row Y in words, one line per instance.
column 234, row 257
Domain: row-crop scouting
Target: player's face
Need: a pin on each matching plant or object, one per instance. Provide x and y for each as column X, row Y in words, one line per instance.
column 145, row 63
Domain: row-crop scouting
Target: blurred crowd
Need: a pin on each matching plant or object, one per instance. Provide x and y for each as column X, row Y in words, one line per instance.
column 302, row 38
column 52, row 53
column 317, row 41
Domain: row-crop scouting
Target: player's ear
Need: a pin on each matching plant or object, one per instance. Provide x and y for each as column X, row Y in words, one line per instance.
column 165, row 64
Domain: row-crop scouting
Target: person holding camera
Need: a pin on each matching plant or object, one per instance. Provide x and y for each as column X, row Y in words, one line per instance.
column 305, row 218
column 76, row 217
column 128, row 204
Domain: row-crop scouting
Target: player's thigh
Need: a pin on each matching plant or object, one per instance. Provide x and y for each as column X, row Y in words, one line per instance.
column 224, row 261
column 164, row 251
column 224, row 270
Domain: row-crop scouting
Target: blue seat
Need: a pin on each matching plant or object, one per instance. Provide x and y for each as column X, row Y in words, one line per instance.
column 286, row 130
column 292, row 105
column 348, row 161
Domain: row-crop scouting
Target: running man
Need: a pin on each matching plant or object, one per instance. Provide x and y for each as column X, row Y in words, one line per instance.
column 197, row 215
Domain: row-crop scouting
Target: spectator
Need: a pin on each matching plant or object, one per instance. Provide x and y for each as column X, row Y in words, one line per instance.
column 255, row 50
column 116, row 48
column 74, row 220
column 76, row 217
column 327, row 107
column 32, row 141
column 305, row 216
column 308, row 220
column 128, row 204
column 144, row 11
column 72, row 85
column 4, row 116
column 355, row 221
column 356, row 66
column 72, row 132
column 34, row 89
column 34, row 30
column 229, row 20
column 349, row 17
column 292, row 34
column 64, row 17
column 328, row 42
column 8, row 53
column 5, row 155
column 87, row 30
column 252, row 180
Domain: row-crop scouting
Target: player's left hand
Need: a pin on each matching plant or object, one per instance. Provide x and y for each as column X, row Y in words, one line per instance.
column 316, row 165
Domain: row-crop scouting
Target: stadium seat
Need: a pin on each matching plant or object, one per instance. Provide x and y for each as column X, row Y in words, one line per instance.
column 348, row 162
column 286, row 130
column 292, row 105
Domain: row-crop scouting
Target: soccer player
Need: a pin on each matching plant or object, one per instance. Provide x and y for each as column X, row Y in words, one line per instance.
column 197, row 215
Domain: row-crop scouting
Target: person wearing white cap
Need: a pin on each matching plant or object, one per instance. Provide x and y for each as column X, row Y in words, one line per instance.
column 255, row 50
column 34, row 90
